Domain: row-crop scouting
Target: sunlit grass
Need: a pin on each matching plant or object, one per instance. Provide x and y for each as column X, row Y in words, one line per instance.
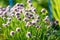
column 56, row 9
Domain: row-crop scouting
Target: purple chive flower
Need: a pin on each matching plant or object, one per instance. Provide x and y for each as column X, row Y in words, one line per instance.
column 56, row 22
column 28, row 1
column 37, row 26
column 33, row 22
column 22, row 5
column 34, row 10
column 16, row 10
column 36, row 20
column 28, row 24
column 28, row 34
column 17, row 4
column 19, row 18
column 27, row 13
column 12, row 33
column 31, row 15
column 8, row 22
column 3, row 9
column 17, row 14
column 25, row 19
column 12, row 14
column 4, row 18
column 36, row 16
column 43, row 10
column 30, row 10
column 46, row 18
column 31, row 5
column 18, row 29
column 9, row 19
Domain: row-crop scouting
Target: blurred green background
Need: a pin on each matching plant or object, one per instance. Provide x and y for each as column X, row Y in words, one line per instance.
column 39, row 3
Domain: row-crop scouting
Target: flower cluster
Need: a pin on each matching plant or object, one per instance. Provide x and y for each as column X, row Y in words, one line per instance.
column 30, row 15
column 16, row 10
column 13, row 32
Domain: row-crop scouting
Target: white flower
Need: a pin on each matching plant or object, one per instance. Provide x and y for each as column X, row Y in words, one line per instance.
column 26, row 13
column 19, row 18
column 4, row 25
column 21, row 5
column 56, row 22
column 7, row 8
column 30, row 5
column 28, row 24
column 8, row 22
column 46, row 19
column 43, row 10
column 34, row 22
column 17, row 13
column 37, row 26
column 25, row 19
column 3, row 9
column 9, row 19
column 4, row 18
column 33, row 9
column 28, row 1
column 12, row 33
column 18, row 29
column 47, row 16
column 12, row 14
column 16, row 4
column 28, row 34
column 36, row 16
column 37, row 20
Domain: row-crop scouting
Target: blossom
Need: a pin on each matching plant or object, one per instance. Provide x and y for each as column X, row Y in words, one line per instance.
column 18, row 29
column 43, row 10
column 4, row 25
column 37, row 26
column 25, row 19
column 3, row 9
column 8, row 22
column 34, row 22
column 46, row 18
column 56, row 22
column 28, row 24
column 28, row 34
column 33, row 9
column 28, row 1
column 9, row 19
column 12, row 33
column 19, row 18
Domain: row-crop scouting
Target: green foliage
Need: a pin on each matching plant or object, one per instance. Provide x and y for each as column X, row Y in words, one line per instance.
column 56, row 9
column 37, row 34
